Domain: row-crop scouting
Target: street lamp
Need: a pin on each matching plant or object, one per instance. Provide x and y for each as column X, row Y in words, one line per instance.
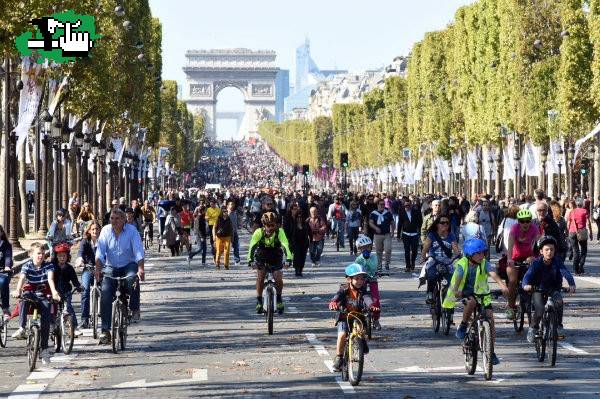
column 517, row 159
column 544, row 158
column 560, row 154
column 490, row 171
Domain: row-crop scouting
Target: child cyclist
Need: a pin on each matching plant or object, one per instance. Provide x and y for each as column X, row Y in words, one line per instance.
column 546, row 274
column 470, row 277
column 353, row 297
column 65, row 278
column 368, row 261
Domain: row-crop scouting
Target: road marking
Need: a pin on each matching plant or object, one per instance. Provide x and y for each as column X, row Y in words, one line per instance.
column 418, row 369
column 44, row 374
column 197, row 376
column 594, row 280
column 570, row 347
column 27, row 391
column 316, row 298
column 321, row 350
column 597, row 360
column 293, row 309
column 345, row 385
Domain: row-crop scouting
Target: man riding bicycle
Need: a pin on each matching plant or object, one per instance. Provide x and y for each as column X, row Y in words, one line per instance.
column 149, row 216
column 266, row 251
column 120, row 253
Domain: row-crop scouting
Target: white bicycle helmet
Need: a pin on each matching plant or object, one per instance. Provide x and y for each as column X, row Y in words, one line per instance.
column 363, row 241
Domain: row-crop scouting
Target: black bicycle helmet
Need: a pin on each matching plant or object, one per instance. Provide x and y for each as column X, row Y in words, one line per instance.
column 543, row 240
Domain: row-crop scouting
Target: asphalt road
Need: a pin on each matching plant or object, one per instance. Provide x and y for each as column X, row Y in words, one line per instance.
column 200, row 337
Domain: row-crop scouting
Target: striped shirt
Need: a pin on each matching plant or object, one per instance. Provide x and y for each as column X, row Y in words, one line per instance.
column 36, row 275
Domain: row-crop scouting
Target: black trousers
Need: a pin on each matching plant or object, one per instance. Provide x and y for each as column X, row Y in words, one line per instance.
column 411, row 244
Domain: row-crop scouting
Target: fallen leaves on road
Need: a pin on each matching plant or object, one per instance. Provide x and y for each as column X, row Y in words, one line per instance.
column 240, row 363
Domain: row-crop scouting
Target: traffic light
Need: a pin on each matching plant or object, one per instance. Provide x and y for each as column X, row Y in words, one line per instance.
column 584, row 166
column 305, row 169
column 344, row 159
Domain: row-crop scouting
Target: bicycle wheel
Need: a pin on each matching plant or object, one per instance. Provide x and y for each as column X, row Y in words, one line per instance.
column 436, row 309
column 345, row 363
column 446, row 321
column 269, row 309
column 3, row 332
column 124, row 322
column 356, row 358
column 115, row 327
column 33, row 346
column 94, row 306
column 67, row 329
column 470, row 350
column 540, row 341
column 57, row 335
column 487, row 349
column 553, row 337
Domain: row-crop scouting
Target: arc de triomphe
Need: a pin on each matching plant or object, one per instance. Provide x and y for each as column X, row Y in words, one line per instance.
column 253, row 72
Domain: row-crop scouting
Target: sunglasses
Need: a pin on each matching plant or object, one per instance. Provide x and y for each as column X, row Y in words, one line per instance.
column 444, row 222
column 523, row 221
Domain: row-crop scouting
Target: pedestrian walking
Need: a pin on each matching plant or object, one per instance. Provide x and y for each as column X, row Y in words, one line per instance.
column 222, row 232
column 578, row 223
column 382, row 223
column 318, row 229
column 409, row 226
column 299, row 241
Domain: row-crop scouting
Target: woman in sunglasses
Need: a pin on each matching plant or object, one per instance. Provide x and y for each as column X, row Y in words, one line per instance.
column 440, row 246
column 521, row 240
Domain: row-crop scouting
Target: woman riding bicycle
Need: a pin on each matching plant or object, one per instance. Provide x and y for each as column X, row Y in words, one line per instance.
column 59, row 232
column 86, row 259
column 471, row 277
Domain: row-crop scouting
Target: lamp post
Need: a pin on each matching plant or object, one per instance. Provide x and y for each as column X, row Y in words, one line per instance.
column 65, row 134
column 100, row 169
column 78, row 144
column 560, row 154
column 544, row 158
column 85, row 156
column 110, row 157
column 13, row 234
column 490, row 172
column 460, row 180
column 94, row 156
column 43, row 191
column 498, row 189
column 517, row 184
column 56, row 128
column 571, row 151
column 592, row 151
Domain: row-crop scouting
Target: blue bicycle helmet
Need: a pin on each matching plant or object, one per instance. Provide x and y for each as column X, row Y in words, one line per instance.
column 354, row 269
column 473, row 246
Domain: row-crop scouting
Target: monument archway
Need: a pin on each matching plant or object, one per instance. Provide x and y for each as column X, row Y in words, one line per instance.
column 252, row 72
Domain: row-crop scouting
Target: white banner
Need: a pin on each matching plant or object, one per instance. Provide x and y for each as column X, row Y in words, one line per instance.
column 582, row 140
column 56, row 95
column 418, row 172
column 443, row 169
column 456, row 168
column 530, row 163
column 472, row 164
column 554, row 159
column 486, row 166
column 409, row 173
column 29, row 100
column 508, row 161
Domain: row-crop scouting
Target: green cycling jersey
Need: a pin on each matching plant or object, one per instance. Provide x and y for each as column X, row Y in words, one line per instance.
column 273, row 242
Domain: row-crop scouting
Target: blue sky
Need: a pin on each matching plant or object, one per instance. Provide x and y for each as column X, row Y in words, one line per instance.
column 347, row 34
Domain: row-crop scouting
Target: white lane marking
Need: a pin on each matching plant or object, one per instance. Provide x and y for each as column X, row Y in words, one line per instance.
column 44, row 374
column 62, row 358
column 197, row 376
column 594, row 280
column 570, row 347
column 597, row 360
column 418, row 369
column 27, row 391
column 316, row 298
column 345, row 385
column 329, row 365
column 321, row 350
column 293, row 309
column 286, row 298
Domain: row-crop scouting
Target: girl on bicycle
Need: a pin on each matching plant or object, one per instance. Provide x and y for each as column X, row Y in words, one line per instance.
column 368, row 260
column 86, row 255
column 39, row 276
column 65, row 278
column 546, row 273
column 470, row 277
column 351, row 297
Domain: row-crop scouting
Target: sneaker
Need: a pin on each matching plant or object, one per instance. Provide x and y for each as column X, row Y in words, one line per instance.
column 337, row 363
column 19, row 334
column 190, row 257
column 135, row 316
column 318, row 264
column 429, row 299
column 376, row 325
column 422, row 281
column 280, row 307
column 495, row 360
column 85, row 324
column 560, row 333
column 259, row 308
column 45, row 356
column 237, row 262
column 104, row 338
column 461, row 332
column 387, row 266
column 510, row 314
column 531, row 333
column 314, row 265
column 78, row 332
column 203, row 264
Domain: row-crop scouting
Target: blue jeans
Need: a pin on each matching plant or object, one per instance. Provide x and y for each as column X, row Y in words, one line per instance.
column 316, row 249
column 4, row 289
column 109, row 287
column 44, row 311
column 235, row 243
column 201, row 249
column 87, row 280
column 340, row 227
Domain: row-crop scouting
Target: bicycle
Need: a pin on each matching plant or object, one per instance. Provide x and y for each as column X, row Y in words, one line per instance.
column 120, row 315
column 354, row 357
column 524, row 306
column 440, row 315
column 269, row 293
column 479, row 339
column 147, row 233
column 548, row 332
column 3, row 331
column 95, row 294
column 33, row 331
column 63, row 333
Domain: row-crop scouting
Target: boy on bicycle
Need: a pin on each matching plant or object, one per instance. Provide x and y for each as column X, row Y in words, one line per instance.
column 39, row 276
column 470, row 277
column 546, row 274
column 368, row 261
column 352, row 297
column 65, row 278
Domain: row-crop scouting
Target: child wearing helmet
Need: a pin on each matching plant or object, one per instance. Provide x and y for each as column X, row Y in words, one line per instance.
column 352, row 297
column 65, row 278
column 470, row 277
column 546, row 273
column 368, row 261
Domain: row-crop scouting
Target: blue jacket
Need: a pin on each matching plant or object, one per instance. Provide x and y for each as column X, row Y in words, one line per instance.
column 547, row 277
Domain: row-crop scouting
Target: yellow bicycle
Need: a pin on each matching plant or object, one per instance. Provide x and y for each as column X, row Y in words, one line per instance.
column 354, row 354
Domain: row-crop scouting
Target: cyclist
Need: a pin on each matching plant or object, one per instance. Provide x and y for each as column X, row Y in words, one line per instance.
column 187, row 219
column 368, row 261
column 352, row 297
column 120, row 253
column 266, row 249
column 6, row 264
column 65, row 278
column 39, row 276
column 132, row 220
column 59, row 230
column 521, row 239
column 149, row 216
column 470, row 277
column 86, row 256
column 546, row 273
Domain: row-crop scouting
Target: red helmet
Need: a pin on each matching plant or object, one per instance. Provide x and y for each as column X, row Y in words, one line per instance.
column 64, row 247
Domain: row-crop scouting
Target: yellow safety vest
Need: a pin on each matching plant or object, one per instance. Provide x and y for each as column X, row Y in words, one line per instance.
column 481, row 282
